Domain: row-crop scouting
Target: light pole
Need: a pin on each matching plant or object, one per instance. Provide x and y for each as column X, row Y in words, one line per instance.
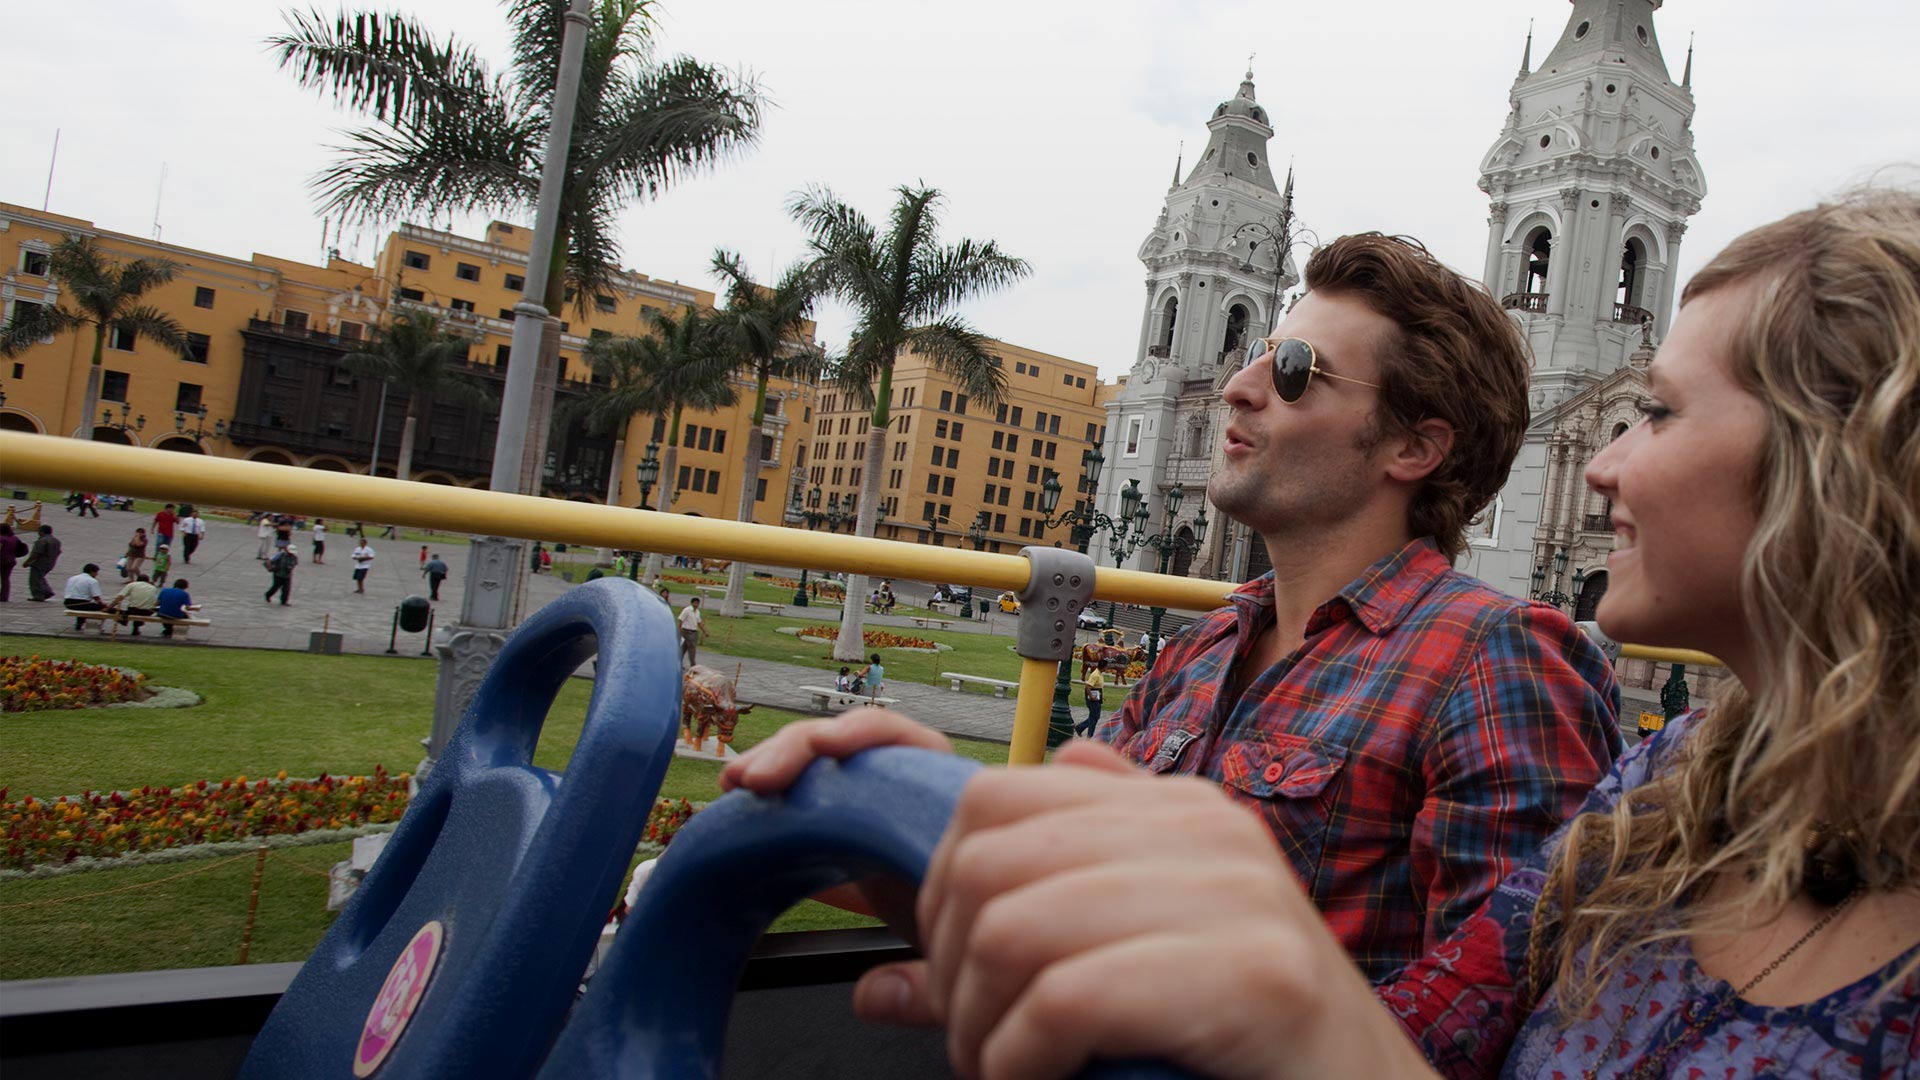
column 977, row 532
column 136, row 426
column 199, row 431
column 1277, row 231
column 1167, row 542
column 646, row 472
column 1554, row 596
column 1086, row 523
column 813, row 517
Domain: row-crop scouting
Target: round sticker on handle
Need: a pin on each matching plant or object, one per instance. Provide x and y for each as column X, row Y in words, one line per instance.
column 398, row 997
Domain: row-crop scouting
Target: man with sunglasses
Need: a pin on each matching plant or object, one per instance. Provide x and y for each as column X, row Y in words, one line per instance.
column 1408, row 733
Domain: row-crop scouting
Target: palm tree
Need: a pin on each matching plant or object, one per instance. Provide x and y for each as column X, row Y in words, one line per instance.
column 901, row 287
column 107, row 296
column 449, row 134
column 414, row 354
column 676, row 368
column 612, row 400
column 762, row 330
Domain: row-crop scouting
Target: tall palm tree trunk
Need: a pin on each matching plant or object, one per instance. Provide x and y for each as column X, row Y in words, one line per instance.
column 613, row 485
column 90, row 401
column 734, row 604
column 664, row 500
column 853, row 614
column 403, row 468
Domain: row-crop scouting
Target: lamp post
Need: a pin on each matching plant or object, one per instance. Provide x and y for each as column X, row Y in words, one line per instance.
column 813, row 517
column 977, row 532
column 199, row 431
column 1277, row 231
column 646, row 472
column 137, row 425
column 1086, row 523
column 1167, row 543
column 1553, row 595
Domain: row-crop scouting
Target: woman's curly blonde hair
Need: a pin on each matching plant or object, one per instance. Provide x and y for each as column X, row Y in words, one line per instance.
column 1830, row 584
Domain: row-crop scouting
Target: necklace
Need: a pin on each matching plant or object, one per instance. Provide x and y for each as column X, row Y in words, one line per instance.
column 1654, row 1064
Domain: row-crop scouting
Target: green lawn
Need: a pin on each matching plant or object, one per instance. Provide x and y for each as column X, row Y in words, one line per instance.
column 264, row 711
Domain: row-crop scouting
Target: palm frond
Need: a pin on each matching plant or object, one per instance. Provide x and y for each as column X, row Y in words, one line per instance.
column 479, row 161
column 386, row 65
column 150, row 322
column 670, row 122
column 968, row 268
column 962, row 354
column 30, row 324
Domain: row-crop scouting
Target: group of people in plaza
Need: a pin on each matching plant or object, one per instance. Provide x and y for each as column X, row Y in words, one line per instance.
column 869, row 680
column 1375, row 818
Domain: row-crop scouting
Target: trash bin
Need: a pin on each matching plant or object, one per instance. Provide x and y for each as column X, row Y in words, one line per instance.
column 413, row 614
column 983, row 608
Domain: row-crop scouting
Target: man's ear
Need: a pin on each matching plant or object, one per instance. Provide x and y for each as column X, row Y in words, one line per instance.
column 1416, row 453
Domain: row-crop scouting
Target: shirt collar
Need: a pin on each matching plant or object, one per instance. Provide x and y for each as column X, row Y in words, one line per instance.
column 1380, row 597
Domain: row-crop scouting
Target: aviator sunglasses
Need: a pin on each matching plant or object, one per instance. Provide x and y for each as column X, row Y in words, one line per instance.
column 1293, row 366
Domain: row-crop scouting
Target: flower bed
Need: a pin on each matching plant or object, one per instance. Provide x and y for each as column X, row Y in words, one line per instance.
column 30, row 683
column 666, row 819
column 875, row 639
column 113, row 824
column 686, row 579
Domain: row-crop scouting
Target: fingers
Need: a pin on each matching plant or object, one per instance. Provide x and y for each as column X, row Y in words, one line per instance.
column 1093, row 755
column 895, row 994
column 773, row 765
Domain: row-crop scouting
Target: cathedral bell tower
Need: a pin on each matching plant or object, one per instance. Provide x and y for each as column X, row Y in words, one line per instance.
column 1592, row 180
column 1217, row 269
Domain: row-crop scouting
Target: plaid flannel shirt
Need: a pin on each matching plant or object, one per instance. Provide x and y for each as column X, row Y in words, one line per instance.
column 1420, row 744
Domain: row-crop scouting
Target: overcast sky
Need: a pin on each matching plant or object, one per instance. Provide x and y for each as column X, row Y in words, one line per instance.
column 1051, row 125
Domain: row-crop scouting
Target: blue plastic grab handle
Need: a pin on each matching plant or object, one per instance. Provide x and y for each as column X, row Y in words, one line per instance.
column 462, row 950
column 657, row 1008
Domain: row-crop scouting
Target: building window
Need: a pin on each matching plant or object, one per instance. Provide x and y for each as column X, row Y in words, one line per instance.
column 959, row 429
column 1017, row 413
column 415, row 260
column 686, row 471
column 466, row 271
column 604, row 303
column 1033, row 474
column 414, row 295
column 458, row 304
column 1000, row 523
column 1079, row 382
column 1052, row 448
column 760, row 490
column 703, row 438
column 26, row 309
column 187, row 398
column 1026, row 503
column 1020, row 367
column 713, row 482
column 294, row 320
column 719, row 442
column 1005, row 494
column 1053, row 424
column 121, row 338
column 946, row 400
column 35, row 263
column 19, row 371
column 1133, row 436
column 197, row 346
column 1024, row 531
column 516, row 283
column 933, row 484
column 993, row 466
column 946, row 486
column 1090, row 434
column 940, row 429
column 352, row 331
column 202, row 297
column 113, row 386
column 1000, row 413
column 1040, row 422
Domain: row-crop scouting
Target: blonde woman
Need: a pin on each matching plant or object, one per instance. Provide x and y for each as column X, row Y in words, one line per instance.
column 1740, row 897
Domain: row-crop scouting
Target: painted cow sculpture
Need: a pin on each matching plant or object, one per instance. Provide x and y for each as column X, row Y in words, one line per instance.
column 1110, row 659
column 707, row 706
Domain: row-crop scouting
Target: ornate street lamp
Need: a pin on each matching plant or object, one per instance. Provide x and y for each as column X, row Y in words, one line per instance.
column 647, row 472
column 138, row 424
column 1167, row 543
column 1086, row 524
column 977, row 532
column 1553, row 595
column 199, row 431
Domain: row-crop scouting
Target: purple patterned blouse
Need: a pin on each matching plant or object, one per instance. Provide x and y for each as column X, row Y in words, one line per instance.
column 1458, row 1002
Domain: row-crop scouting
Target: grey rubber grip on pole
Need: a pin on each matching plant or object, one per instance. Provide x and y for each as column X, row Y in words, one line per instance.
column 1060, row 585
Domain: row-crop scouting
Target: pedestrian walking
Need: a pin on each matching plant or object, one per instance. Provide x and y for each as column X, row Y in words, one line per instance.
column 136, row 554
column 283, row 532
column 266, row 535
column 192, row 529
column 362, row 561
column 534, row 561
column 164, row 523
column 12, row 548
column 281, row 567
column 1096, row 687
column 162, row 562
column 319, row 541
column 39, row 563
column 89, row 504
column 692, row 629
column 83, row 594
column 436, row 572
column 423, row 556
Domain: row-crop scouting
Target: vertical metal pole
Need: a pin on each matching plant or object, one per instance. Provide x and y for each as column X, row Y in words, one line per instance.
column 379, row 423
column 426, row 644
column 529, row 316
column 1060, row 715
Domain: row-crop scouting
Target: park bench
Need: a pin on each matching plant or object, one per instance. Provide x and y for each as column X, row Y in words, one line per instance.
column 766, row 606
column 1000, row 686
column 928, row 622
column 112, row 619
column 712, row 590
column 825, row 698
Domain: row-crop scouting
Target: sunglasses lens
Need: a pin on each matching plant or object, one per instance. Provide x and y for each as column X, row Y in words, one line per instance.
column 1255, row 350
column 1292, row 368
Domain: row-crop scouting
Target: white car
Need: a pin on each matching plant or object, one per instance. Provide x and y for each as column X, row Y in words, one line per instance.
column 1091, row 621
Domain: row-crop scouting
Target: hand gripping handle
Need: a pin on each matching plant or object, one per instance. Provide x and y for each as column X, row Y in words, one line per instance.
column 658, row 1006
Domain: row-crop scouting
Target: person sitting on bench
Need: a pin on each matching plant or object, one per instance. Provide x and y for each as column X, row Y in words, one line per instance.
column 175, row 603
column 137, row 597
column 83, row 593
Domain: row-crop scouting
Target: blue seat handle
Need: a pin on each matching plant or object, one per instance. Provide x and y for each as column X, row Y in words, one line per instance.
column 731, row 870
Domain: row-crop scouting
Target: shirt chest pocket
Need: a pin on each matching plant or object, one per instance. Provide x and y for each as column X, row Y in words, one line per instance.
column 1290, row 781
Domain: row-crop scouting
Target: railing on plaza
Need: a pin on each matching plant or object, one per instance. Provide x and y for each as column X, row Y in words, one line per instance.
column 51, row 461
column 1525, row 301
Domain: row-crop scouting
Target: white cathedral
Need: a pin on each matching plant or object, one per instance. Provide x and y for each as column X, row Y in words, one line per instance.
column 1591, row 182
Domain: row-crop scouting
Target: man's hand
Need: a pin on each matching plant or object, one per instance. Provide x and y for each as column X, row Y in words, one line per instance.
column 1092, row 910
column 770, row 767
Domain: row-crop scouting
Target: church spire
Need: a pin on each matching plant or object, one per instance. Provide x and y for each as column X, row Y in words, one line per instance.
column 1686, row 79
column 1179, row 158
column 1526, row 54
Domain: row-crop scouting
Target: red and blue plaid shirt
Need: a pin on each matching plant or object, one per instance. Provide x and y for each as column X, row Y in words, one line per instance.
column 1420, row 744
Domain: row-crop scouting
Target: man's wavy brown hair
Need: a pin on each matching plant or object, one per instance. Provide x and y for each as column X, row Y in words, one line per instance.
column 1457, row 356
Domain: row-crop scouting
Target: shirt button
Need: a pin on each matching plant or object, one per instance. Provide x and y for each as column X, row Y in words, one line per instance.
column 1273, row 774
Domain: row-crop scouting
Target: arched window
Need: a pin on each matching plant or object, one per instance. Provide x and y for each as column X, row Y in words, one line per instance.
column 1236, row 338
column 1631, row 262
column 1169, row 315
column 1533, row 277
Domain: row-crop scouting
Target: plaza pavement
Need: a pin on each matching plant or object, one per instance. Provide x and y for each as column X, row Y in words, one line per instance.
column 227, row 581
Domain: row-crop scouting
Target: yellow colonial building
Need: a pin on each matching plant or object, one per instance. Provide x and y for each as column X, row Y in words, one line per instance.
column 265, row 380
column 948, row 459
